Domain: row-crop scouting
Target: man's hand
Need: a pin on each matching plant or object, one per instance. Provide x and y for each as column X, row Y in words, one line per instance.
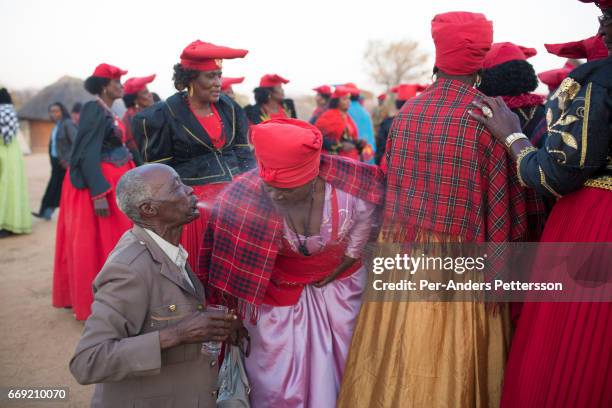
column 198, row 327
column 101, row 207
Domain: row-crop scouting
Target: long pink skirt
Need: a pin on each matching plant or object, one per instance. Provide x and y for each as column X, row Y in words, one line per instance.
column 298, row 352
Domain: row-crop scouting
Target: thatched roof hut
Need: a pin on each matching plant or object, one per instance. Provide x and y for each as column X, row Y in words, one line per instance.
column 34, row 112
column 67, row 90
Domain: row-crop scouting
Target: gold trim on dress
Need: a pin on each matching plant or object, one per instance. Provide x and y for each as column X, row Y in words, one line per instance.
column 544, row 183
column 524, row 152
column 585, row 124
column 603, row 182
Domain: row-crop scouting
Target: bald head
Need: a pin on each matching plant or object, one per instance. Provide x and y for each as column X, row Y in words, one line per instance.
column 142, row 184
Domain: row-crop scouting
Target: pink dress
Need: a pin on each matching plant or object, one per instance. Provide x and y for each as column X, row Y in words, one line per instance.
column 298, row 352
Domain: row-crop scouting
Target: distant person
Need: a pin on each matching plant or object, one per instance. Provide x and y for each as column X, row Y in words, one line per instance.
column 402, row 92
column 136, row 97
column 226, row 85
column 199, row 132
column 340, row 134
column 60, row 143
column 270, row 102
column 322, row 100
column 90, row 223
column 142, row 344
column 75, row 113
column 15, row 217
column 361, row 116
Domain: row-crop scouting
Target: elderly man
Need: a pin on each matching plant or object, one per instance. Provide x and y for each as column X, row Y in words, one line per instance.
column 142, row 343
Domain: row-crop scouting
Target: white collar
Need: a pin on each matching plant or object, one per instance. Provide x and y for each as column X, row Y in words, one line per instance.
column 177, row 254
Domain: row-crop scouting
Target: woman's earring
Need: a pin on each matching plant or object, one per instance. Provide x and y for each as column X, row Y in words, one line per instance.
column 478, row 81
column 190, row 91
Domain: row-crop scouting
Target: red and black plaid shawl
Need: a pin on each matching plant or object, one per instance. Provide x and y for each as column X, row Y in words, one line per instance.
column 448, row 175
column 244, row 233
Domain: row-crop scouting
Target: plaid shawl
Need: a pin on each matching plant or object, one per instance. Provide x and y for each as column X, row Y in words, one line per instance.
column 448, row 175
column 244, row 233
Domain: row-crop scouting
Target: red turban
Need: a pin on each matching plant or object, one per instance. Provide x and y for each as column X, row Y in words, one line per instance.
column 288, row 151
column 355, row 91
column 135, row 85
column 272, row 80
column 592, row 49
column 227, row 82
column 507, row 51
column 407, row 91
column 554, row 77
column 342, row 90
column 202, row 56
column 323, row 90
column 108, row 71
column 382, row 97
column 462, row 40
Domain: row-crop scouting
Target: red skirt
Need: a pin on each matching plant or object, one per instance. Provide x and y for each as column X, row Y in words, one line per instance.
column 83, row 242
column 561, row 354
column 192, row 232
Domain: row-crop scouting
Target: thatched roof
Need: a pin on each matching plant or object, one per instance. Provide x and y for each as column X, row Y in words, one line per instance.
column 67, row 90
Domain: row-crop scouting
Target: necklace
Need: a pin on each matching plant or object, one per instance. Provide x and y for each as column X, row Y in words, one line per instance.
column 302, row 244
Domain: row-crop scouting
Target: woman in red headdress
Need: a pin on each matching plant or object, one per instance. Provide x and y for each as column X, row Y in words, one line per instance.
column 90, row 223
column 445, row 176
column 199, row 131
column 339, row 130
column 284, row 246
column 508, row 74
column 226, row 85
column 270, row 101
column 136, row 96
column 561, row 353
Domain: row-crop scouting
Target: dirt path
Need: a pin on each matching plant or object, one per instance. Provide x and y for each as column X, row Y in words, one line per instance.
column 37, row 340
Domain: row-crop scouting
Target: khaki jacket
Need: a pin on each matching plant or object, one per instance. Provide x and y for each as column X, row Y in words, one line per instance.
column 138, row 292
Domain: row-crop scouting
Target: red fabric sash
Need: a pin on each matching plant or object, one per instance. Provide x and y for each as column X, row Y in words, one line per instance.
column 292, row 270
column 524, row 101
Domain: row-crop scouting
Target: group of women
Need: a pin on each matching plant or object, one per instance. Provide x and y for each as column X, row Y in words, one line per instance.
column 283, row 226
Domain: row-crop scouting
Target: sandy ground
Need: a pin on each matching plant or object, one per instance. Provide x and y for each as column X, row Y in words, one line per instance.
column 37, row 340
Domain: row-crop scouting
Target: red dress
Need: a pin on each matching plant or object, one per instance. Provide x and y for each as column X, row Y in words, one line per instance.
column 561, row 354
column 338, row 126
column 206, row 193
column 84, row 240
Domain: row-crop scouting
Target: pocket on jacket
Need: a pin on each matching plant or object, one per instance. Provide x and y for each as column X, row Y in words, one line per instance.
column 162, row 316
column 164, row 401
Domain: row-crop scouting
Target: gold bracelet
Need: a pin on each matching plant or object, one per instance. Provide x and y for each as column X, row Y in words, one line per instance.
column 513, row 138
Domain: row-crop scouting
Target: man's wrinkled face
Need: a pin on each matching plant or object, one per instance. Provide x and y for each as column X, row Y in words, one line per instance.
column 175, row 203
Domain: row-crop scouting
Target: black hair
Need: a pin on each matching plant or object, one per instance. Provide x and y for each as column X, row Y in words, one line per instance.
column 511, row 78
column 399, row 103
column 94, row 84
column 62, row 107
column 5, row 96
column 182, row 77
column 354, row 97
column 76, row 108
column 156, row 97
column 129, row 100
column 333, row 103
column 262, row 94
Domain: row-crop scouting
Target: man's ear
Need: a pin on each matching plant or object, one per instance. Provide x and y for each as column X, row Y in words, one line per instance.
column 148, row 209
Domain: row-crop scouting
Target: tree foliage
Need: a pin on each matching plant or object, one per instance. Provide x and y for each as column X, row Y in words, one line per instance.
column 392, row 63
